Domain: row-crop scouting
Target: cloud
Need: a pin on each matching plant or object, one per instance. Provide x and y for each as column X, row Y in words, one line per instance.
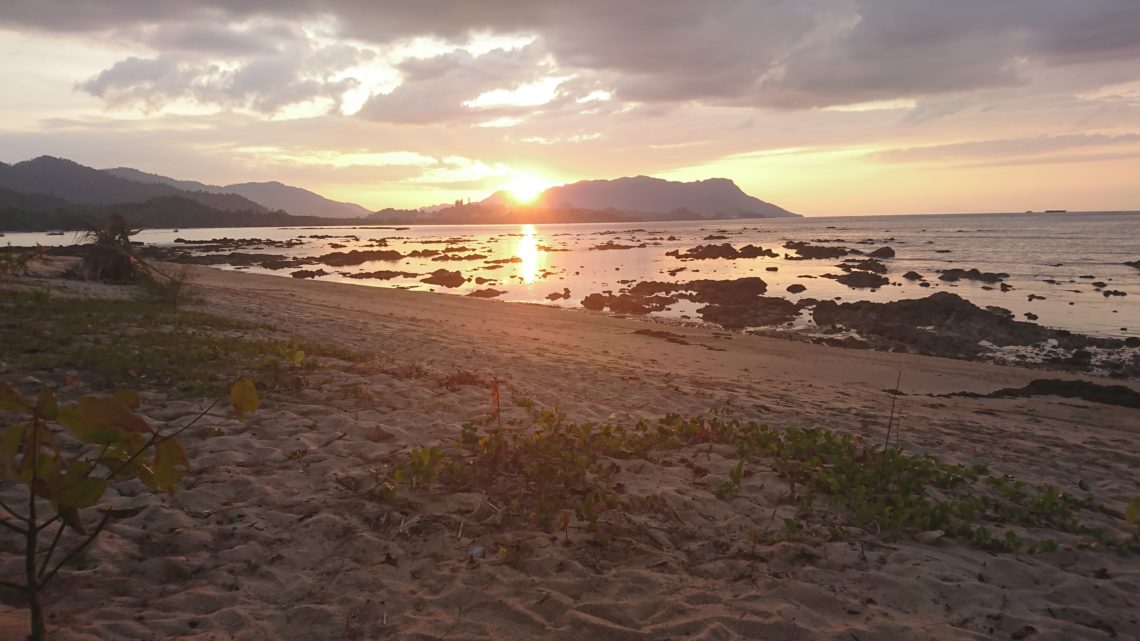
column 1003, row 148
column 297, row 72
column 437, row 89
column 790, row 54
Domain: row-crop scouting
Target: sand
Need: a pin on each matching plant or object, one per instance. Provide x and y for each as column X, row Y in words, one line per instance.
column 271, row 536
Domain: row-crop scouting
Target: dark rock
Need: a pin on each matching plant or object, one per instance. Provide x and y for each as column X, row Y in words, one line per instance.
column 1084, row 390
column 1000, row 311
column 1005, row 288
column 609, row 244
column 847, row 342
column 726, row 250
column 772, row 269
column 758, row 312
column 1033, row 297
column 382, row 274
column 859, row 279
column 357, row 257
column 1113, row 292
column 957, row 325
column 447, row 257
column 808, row 251
column 486, row 293
column 913, row 275
column 445, row 278
column 883, row 252
column 309, row 273
column 869, row 265
column 796, row 288
column 595, row 302
column 1100, row 284
column 1031, row 316
column 669, row 336
column 1135, row 263
column 563, row 295
column 953, row 275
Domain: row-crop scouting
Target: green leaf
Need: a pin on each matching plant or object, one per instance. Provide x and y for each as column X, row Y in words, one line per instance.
column 45, row 465
column 81, row 494
column 169, row 461
column 244, row 398
column 10, row 399
column 108, row 411
column 10, row 438
column 1132, row 514
column 46, row 405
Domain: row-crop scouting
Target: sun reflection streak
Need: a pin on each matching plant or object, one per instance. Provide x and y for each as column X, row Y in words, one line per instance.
column 527, row 251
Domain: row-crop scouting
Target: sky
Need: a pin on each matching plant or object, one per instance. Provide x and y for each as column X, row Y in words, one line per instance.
column 823, row 107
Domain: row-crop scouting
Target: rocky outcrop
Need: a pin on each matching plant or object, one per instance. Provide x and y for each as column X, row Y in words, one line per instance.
column 357, row 257
column 445, row 278
column 486, row 293
column 956, row 274
column 725, row 250
column 382, row 274
column 807, row 251
column 868, row 265
column 882, row 252
column 942, row 324
column 860, row 279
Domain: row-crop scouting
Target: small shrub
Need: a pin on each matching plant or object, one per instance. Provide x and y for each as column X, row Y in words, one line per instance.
column 66, row 456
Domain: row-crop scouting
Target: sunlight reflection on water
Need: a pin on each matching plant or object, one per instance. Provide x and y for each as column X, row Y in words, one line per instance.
column 527, row 251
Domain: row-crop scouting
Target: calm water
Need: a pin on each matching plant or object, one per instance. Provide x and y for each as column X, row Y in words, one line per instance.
column 1031, row 248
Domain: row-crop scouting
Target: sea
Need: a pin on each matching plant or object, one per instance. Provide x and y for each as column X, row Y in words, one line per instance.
column 1066, row 269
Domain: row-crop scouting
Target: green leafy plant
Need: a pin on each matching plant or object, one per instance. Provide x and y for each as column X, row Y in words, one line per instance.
column 66, row 456
column 839, row 484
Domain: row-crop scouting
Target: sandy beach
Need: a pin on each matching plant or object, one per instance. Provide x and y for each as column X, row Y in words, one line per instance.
column 272, row 537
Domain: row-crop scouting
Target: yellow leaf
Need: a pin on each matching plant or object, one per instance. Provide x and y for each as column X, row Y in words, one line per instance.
column 169, row 456
column 243, row 396
column 128, row 397
column 108, row 411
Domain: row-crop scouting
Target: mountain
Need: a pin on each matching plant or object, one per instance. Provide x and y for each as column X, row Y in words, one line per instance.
column 39, row 212
column 715, row 197
column 76, row 183
column 273, row 195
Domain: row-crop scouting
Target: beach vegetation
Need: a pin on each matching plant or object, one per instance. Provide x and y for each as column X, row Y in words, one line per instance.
column 839, row 485
column 113, row 343
column 65, row 456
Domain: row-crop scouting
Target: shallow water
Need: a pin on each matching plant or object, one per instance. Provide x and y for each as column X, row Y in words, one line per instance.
column 1031, row 248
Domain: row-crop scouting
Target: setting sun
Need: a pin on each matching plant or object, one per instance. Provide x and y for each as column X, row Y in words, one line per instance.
column 525, row 187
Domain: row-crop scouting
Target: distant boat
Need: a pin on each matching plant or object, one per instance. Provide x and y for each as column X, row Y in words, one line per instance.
column 1056, row 211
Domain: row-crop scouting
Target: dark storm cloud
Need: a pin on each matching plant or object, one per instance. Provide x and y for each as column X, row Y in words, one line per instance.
column 786, row 54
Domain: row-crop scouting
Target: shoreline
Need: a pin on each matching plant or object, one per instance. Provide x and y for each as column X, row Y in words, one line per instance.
column 257, row 526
